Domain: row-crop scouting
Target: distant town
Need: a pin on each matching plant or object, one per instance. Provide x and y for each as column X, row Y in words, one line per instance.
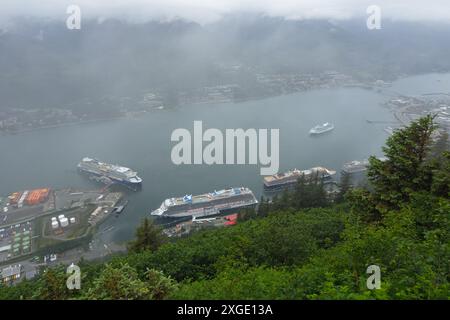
column 15, row 119
column 407, row 109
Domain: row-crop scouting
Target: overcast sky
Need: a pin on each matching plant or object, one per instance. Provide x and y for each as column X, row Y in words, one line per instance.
column 204, row 11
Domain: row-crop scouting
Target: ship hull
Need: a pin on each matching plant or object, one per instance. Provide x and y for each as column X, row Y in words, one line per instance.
column 355, row 171
column 291, row 185
column 128, row 184
column 278, row 187
column 316, row 133
column 207, row 211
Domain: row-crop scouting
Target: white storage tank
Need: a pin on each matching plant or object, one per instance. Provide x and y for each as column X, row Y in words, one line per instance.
column 61, row 216
column 72, row 220
column 55, row 224
column 64, row 222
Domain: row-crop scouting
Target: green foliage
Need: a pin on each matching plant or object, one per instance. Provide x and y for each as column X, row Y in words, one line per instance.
column 405, row 170
column 240, row 282
column 148, row 237
column 441, row 175
column 52, row 285
column 344, row 187
column 118, row 283
column 308, row 193
column 282, row 238
column 23, row 290
column 123, row 283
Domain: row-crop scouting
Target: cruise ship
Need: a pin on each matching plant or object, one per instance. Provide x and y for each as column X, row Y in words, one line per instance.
column 355, row 166
column 290, row 178
column 321, row 128
column 207, row 204
column 109, row 173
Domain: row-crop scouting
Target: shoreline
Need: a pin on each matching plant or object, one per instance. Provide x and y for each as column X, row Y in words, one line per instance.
column 361, row 85
column 62, row 125
column 223, row 101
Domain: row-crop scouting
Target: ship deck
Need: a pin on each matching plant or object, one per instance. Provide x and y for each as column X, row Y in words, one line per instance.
column 295, row 174
column 207, row 197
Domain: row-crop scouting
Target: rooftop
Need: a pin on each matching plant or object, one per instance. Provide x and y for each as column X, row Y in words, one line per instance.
column 11, row 271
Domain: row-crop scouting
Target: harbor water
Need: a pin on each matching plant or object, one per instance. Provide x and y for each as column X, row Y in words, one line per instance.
column 48, row 157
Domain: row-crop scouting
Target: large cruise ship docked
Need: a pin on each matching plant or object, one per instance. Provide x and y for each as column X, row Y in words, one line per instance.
column 110, row 173
column 207, row 204
column 355, row 166
column 289, row 179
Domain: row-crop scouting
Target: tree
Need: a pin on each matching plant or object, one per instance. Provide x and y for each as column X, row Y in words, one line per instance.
column 309, row 193
column 52, row 285
column 247, row 214
column 300, row 192
column 122, row 282
column 160, row 286
column 284, row 201
column 441, row 176
column 263, row 207
column 148, row 237
column 240, row 283
column 320, row 195
column 118, row 283
column 441, row 145
column 405, row 170
column 344, row 186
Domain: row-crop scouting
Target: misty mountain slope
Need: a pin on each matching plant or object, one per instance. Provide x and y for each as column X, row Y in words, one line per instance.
column 45, row 64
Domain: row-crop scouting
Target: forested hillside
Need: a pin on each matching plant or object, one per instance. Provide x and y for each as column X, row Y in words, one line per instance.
column 301, row 245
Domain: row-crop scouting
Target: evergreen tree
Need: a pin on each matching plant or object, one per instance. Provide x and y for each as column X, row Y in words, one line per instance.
column 344, row 186
column 441, row 176
column 309, row 193
column 118, row 283
column 284, row 201
column 440, row 164
column 263, row 207
column 320, row 195
column 300, row 192
column 148, row 237
column 160, row 286
column 52, row 285
column 405, row 170
column 441, row 145
column 247, row 214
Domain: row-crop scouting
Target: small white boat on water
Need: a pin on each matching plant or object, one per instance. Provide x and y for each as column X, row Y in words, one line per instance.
column 321, row 128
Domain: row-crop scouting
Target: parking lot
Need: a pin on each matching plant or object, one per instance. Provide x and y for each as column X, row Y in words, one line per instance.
column 15, row 240
column 66, row 199
column 14, row 215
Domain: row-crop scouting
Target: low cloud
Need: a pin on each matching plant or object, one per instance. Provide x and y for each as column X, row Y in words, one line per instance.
column 204, row 11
